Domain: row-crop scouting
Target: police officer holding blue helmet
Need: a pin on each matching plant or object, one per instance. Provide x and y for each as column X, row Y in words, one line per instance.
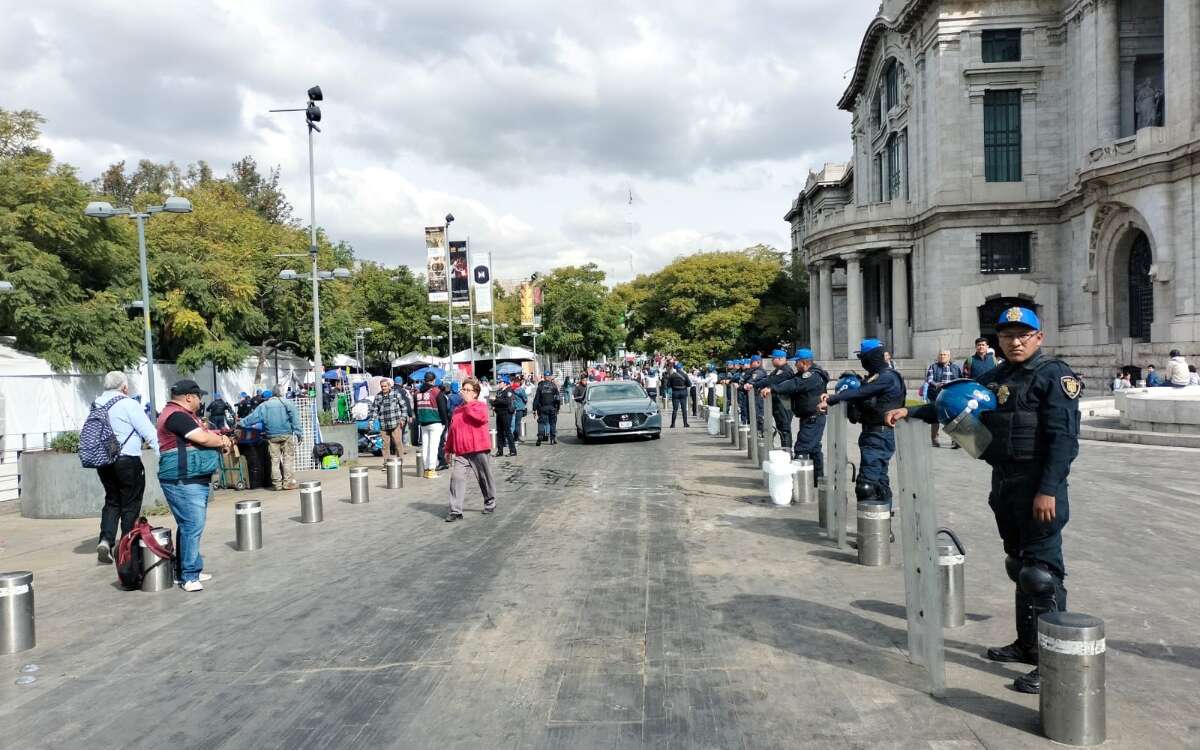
column 780, row 409
column 1032, row 438
column 806, row 387
column 881, row 392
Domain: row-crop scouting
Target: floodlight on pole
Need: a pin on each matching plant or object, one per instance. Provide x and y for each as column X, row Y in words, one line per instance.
column 174, row 204
column 450, row 300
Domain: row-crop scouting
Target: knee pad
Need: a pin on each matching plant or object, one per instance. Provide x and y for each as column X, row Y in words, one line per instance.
column 1012, row 565
column 1035, row 580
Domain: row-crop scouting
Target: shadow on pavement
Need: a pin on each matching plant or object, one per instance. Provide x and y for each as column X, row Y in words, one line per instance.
column 836, row 554
column 898, row 611
column 782, row 527
column 850, row 641
column 433, row 509
column 1188, row 656
column 745, row 483
column 87, row 546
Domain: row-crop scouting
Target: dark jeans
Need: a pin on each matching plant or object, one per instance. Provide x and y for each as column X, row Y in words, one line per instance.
column 876, row 449
column 808, row 442
column 124, row 482
column 504, row 435
column 679, row 403
column 442, row 448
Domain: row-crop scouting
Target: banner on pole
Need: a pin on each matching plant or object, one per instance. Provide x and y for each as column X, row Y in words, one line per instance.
column 435, row 264
column 526, row 304
column 481, row 277
column 460, row 275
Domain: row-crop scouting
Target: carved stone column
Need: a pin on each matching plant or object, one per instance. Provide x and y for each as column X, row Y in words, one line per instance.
column 814, row 308
column 1181, row 48
column 1128, row 95
column 1108, row 84
column 901, row 330
column 826, row 321
column 854, row 302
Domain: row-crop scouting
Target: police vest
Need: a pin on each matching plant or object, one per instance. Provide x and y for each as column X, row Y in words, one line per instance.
column 1014, row 423
column 871, row 411
column 805, row 404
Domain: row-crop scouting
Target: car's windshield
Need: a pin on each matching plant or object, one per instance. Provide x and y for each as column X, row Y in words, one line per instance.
column 615, row 392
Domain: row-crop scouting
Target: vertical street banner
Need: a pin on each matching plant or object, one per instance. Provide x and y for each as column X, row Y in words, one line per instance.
column 526, row 303
column 481, row 277
column 435, row 264
column 460, row 275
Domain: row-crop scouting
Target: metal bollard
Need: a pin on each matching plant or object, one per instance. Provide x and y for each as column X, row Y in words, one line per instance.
column 492, row 444
column 762, row 451
column 521, row 430
column 311, row 510
column 360, row 484
column 874, row 533
column 952, row 558
column 16, row 612
column 822, row 510
column 419, row 466
column 247, row 520
column 804, row 491
column 1071, row 661
column 752, row 440
column 743, row 432
column 395, row 473
column 157, row 574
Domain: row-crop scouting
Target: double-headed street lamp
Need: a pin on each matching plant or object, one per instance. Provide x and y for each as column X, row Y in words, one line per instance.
column 360, row 347
column 104, row 210
column 312, row 115
column 317, row 276
column 533, row 334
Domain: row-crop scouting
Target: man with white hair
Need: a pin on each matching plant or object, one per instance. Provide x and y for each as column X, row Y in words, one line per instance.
column 938, row 374
column 124, row 480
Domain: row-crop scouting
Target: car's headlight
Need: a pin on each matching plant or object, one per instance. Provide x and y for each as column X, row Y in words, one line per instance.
column 590, row 414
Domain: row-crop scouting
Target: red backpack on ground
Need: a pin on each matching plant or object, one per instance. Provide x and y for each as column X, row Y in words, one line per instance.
column 129, row 554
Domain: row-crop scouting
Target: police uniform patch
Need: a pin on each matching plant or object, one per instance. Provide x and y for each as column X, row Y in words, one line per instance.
column 1071, row 386
column 1002, row 394
column 806, row 375
column 1013, row 315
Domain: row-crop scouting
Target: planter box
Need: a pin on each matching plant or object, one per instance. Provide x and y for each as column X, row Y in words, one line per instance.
column 54, row 485
column 347, row 435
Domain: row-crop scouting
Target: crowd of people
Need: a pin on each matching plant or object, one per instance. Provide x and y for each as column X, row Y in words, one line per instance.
column 1178, row 374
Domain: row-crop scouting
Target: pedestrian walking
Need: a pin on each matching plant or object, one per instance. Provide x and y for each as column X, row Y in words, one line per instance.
column 881, row 392
column 124, row 479
column 467, row 443
column 282, row 428
column 781, row 410
column 502, row 406
column 433, row 414
column 190, row 455
column 806, row 387
column 939, row 373
column 678, row 384
column 390, row 407
column 1034, row 437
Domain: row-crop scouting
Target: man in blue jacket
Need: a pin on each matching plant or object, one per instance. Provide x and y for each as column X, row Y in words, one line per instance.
column 281, row 422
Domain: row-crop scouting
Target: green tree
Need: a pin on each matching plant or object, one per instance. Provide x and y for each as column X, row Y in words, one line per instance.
column 580, row 319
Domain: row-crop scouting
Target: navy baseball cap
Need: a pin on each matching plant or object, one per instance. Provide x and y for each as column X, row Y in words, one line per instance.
column 1019, row 316
column 187, row 387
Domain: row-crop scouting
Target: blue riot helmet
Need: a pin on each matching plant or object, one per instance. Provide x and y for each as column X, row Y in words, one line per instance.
column 959, row 404
column 849, row 381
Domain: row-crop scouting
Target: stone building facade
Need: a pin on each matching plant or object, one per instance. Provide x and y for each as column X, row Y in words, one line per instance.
column 1042, row 152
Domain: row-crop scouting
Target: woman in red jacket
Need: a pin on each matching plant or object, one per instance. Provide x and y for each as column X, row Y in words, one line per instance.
column 468, row 446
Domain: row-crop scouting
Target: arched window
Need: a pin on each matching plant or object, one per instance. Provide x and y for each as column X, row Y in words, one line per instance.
column 891, row 85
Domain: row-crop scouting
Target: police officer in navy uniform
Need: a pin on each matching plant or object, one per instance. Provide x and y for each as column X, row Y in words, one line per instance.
column 754, row 370
column 1034, row 438
column 806, row 386
column 780, row 408
column 881, row 392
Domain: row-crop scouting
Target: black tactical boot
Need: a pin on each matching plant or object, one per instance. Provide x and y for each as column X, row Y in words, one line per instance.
column 1024, row 649
column 1029, row 683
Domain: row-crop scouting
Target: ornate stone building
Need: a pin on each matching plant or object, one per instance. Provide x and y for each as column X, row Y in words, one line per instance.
column 1042, row 152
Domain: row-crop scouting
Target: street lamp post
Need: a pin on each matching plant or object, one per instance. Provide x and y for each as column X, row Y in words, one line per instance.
column 360, row 347
column 317, row 276
column 173, row 205
column 449, row 292
column 312, row 115
column 533, row 334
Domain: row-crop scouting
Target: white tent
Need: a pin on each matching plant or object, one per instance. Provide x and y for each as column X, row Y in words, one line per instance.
column 344, row 360
column 417, row 358
column 514, row 353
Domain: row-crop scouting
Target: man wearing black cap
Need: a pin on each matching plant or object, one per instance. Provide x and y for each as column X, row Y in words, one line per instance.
column 1034, row 437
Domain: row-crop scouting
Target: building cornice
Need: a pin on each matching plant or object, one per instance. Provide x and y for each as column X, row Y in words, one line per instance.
column 903, row 21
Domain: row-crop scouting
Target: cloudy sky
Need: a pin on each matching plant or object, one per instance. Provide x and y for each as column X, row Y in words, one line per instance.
column 532, row 122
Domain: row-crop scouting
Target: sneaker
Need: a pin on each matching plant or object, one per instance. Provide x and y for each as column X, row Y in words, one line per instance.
column 513, row 453
column 1029, row 683
column 487, row 510
column 452, row 517
column 104, row 553
column 1013, row 652
column 204, row 577
column 442, row 467
column 192, row 586
column 292, row 486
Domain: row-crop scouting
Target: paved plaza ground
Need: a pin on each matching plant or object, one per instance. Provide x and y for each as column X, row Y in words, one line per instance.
column 626, row 594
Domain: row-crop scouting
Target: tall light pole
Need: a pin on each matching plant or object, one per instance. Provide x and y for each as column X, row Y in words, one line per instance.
column 360, row 347
column 449, row 292
column 492, row 322
column 172, row 205
column 317, row 277
column 533, row 334
column 312, row 115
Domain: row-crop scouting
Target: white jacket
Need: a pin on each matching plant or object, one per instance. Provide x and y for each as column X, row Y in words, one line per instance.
column 1177, row 371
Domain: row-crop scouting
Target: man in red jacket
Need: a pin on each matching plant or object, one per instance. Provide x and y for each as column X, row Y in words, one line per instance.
column 467, row 446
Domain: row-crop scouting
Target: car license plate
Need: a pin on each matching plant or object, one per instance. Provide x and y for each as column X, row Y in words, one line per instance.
column 625, row 424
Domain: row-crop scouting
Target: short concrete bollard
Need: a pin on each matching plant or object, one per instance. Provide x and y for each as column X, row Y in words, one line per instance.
column 247, row 519
column 16, row 612
column 360, row 484
column 1071, row 661
column 311, row 510
column 874, row 533
column 158, row 574
column 952, row 558
column 395, row 473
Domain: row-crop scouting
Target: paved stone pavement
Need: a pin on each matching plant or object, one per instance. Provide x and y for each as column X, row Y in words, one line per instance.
column 626, row 594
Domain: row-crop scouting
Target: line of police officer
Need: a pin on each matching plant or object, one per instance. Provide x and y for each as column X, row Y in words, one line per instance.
column 1025, row 425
